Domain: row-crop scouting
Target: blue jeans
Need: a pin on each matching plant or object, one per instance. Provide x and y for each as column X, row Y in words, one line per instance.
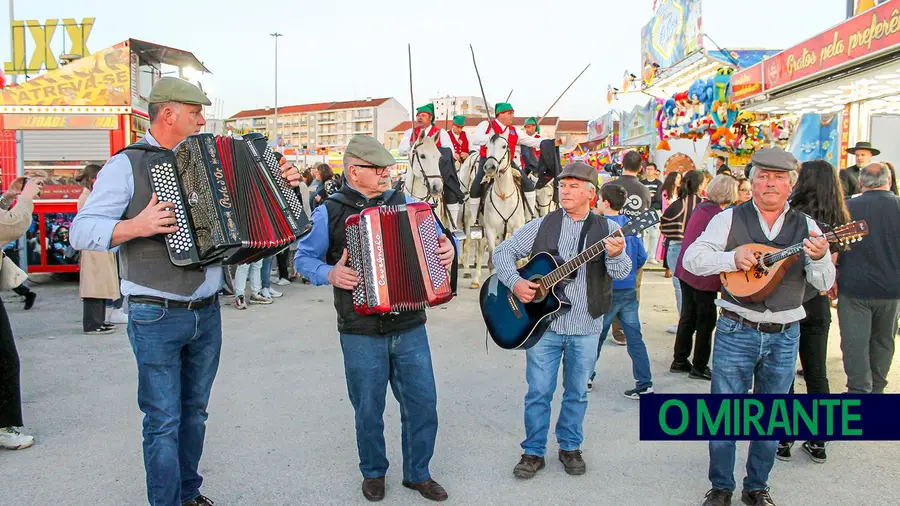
column 266, row 272
column 177, row 353
column 742, row 357
column 578, row 355
column 625, row 306
column 404, row 360
column 672, row 260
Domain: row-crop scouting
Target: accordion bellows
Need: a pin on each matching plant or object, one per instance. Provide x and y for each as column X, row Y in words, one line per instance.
column 231, row 203
column 394, row 252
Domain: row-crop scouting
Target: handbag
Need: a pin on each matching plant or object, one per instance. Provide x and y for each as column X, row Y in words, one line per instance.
column 11, row 275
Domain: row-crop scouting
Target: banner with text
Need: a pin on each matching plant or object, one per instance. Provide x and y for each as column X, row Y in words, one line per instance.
column 673, row 33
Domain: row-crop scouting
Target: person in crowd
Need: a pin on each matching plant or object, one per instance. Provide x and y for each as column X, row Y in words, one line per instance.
column 329, row 184
column 572, row 338
column 654, row 186
column 265, row 274
column 674, row 221
column 863, row 152
column 722, row 166
column 744, row 193
column 625, row 300
column 818, row 194
column 669, row 195
column 756, row 342
column 11, row 251
column 893, row 188
column 99, row 272
column 381, row 348
column 251, row 272
column 698, row 293
column 868, row 291
column 13, row 223
column 639, row 196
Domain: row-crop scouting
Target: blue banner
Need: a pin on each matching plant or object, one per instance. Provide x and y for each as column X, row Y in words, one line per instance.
column 672, row 34
column 817, row 137
column 705, row 417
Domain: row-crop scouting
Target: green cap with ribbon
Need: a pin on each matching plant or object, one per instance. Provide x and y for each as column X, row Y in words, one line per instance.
column 532, row 121
column 429, row 108
column 459, row 120
column 502, row 107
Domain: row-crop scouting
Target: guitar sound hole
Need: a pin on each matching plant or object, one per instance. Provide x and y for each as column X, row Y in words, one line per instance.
column 539, row 294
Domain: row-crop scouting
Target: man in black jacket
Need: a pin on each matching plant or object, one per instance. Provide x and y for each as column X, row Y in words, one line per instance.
column 869, row 292
column 863, row 151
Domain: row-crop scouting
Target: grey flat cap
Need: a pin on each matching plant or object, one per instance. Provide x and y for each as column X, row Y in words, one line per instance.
column 579, row 170
column 774, row 159
column 368, row 149
column 172, row 89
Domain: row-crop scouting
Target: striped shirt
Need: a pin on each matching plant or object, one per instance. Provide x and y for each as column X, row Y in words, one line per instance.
column 577, row 321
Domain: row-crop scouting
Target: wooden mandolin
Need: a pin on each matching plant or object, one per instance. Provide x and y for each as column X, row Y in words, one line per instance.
column 760, row 281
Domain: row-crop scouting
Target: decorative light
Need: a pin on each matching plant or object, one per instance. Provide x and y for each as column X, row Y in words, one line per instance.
column 768, row 109
column 885, row 77
column 880, row 87
column 818, row 95
column 847, row 87
column 833, row 92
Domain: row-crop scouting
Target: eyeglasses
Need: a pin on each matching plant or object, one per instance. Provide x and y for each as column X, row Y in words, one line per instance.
column 379, row 171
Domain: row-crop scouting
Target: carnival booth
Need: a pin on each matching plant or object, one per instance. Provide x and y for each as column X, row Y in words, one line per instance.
column 72, row 116
column 839, row 87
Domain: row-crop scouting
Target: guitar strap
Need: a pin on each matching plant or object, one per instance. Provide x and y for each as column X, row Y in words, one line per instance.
column 584, row 231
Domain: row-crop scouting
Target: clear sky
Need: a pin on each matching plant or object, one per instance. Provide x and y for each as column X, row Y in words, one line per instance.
column 351, row 49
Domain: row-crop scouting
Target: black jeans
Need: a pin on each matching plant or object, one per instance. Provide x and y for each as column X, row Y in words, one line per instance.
column 10, row 390
column 475, row 187
column 94, row 314
column 698, row 315
column 282, row 259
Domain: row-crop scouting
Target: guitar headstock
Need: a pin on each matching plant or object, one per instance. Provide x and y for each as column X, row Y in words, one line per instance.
column 640, row 222
column 849, row 233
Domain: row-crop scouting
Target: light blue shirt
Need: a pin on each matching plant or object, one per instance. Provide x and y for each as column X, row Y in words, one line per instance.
column 93, row 226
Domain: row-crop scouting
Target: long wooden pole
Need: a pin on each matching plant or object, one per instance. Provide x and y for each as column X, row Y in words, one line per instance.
column 542, row 116
column 412, row 101
column 483, row 96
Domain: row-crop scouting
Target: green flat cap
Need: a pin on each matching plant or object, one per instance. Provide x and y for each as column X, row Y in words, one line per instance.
column 173, row 89
column 368, row 149
column 774, row 159
column 459, row 120
column 429, row 108
column 502, row 107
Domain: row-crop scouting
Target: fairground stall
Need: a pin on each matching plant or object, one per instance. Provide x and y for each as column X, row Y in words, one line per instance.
column 839, row 87
column 74, row 115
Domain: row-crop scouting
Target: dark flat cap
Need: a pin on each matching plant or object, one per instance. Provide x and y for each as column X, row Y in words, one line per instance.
column 368, row 149
column 774, row 159
column 173, row 89
column 579, row 170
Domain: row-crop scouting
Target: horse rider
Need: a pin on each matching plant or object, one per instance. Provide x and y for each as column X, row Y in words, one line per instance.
column 459, row 139
column 424, row 121
column 501, row 125
column 530, row 156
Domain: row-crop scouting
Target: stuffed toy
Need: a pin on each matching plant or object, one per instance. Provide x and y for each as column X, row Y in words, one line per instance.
column 723, row 116
column 722, row 82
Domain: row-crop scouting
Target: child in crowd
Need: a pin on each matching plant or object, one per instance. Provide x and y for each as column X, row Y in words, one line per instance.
column 625, row 300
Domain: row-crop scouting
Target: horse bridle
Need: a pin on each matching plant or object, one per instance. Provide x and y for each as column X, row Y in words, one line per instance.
column 415, row 156
column 504, row 157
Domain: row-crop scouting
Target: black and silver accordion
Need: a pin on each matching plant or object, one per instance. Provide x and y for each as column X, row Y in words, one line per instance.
column 231, row 203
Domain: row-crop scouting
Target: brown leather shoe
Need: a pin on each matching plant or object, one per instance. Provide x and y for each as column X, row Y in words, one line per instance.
column 373, row 488
column 429, row 489
column 199, row 501
column 573, row 462
column 528, row 466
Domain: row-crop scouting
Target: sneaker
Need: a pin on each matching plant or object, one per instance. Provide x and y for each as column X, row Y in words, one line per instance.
column 271, row 293
column 101, row 331
column 718, row 497
column 118, row 317
column 590, row 385
column 283, row 282
column 528, row 466
column 783, row 453
column 757, row 498
column 815, row 450
column 11, row 439
column 680, row 367
column 29, row 300
column 240, row 302
column 572, row 462
column 672, row 330
column 636, row 393
column 258, row 298
column 705, row 374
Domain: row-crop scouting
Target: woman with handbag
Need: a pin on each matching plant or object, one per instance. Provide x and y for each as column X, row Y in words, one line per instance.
column 13, row 223
column 99, row 279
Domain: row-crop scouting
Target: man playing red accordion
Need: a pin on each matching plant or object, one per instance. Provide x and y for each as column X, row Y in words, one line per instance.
column 377, row 348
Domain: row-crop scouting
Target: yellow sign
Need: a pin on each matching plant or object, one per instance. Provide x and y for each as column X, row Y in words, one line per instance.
column 101, row 79
column 42, row 56
column 59, row 122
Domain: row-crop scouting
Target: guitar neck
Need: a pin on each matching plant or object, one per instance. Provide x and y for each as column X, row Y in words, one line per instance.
column 565, row 270
column 777, row 256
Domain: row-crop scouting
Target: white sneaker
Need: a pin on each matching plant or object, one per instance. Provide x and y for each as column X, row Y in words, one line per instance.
column 257, row 298
column 11, row 439
column 240, row 302
column 283, row 282
column 117, row 317
column 673, row 329
column 271, row 293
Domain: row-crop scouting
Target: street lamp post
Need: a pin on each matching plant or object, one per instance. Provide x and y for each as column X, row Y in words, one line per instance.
column 276, row 35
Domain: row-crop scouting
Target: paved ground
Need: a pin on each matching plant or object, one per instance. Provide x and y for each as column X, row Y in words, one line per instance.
column 281, row 426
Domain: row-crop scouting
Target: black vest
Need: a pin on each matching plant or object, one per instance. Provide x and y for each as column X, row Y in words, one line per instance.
column 343, row 204
column 599, row 284
column 745, row 229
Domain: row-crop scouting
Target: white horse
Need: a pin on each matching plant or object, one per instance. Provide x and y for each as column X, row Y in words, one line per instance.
column 504, row 209
column 544, row 199
column 423, row 179
column 467, row 218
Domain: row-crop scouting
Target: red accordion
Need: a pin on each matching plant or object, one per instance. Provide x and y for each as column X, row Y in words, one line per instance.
column 394, row 252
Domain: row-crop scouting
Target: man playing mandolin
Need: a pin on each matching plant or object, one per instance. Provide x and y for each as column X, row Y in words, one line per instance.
column 756, row 343
column 574, row 335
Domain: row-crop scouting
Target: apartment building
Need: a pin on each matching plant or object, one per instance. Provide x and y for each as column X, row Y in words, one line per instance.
column 451, row 106
column 325, row 125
